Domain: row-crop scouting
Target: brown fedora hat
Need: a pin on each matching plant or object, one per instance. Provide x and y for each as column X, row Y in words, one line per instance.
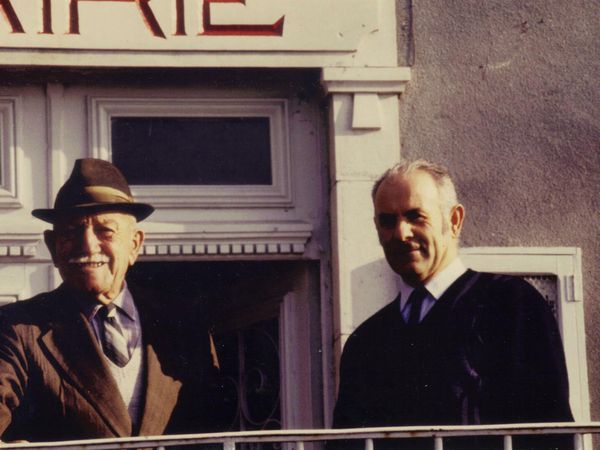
column 94, row 186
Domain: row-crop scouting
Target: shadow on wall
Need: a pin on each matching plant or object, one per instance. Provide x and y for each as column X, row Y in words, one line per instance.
column 374, row 285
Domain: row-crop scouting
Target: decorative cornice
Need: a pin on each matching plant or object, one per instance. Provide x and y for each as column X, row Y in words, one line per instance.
column 223, row 248
column 227, row 239
column 378, row 80
column 366, row 85
column 19, row 245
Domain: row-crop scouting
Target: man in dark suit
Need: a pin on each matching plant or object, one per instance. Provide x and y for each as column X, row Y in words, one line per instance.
column 96, row 358
column 456, row 346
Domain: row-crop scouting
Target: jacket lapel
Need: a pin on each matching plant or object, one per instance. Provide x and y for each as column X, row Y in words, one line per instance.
column 162, row 390
column 161, row 396
column 452, row 298
column 70, row 341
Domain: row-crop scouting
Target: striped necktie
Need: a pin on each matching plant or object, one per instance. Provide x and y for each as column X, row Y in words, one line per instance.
column 114, row 343
column 415, row 300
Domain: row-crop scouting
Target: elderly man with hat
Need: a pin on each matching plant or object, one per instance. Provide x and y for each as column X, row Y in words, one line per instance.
column 95, row 357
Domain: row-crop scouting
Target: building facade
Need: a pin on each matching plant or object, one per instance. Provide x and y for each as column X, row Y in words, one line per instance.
column 257, row 128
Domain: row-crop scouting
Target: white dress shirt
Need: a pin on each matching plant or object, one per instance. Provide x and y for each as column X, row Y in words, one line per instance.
column 436, row 286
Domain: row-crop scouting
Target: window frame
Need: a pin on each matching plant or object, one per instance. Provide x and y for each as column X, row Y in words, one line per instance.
column 10, row 138
column 276, row 195
column 564, row 263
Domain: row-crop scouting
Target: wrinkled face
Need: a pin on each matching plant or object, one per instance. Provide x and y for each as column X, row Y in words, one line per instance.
column 418, row 239
column 93, row 252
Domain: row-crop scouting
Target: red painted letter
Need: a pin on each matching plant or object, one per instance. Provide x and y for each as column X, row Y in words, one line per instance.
column 147, row 14
column 11, row 16
column 274, row 29
column 179, row 18
column 46, row 17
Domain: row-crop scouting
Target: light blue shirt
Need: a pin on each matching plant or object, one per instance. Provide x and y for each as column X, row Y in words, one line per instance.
column 436, row 287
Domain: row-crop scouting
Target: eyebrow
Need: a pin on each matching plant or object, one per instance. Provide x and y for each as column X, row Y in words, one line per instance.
column 106, row 221
column 109, row 223
column 413, row 211
column 404, row 213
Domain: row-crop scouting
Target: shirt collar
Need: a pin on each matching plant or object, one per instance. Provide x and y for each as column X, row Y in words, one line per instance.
column 123, row 301
column 437, row 285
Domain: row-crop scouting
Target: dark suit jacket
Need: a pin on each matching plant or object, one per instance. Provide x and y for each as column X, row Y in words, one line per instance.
column 489, row 351
column 56, row 385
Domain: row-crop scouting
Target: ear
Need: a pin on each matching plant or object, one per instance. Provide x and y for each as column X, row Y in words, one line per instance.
column 50, row 240
column 457, row 216
column 138, row 240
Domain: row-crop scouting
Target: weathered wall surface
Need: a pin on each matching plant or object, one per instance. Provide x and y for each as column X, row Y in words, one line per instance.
column 506, row 93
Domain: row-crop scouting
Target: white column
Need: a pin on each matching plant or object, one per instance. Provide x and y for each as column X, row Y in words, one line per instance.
column 55, row 153
column 364, row 141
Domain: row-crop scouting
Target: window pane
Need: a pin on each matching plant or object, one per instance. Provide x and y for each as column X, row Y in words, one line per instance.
column 193, row 150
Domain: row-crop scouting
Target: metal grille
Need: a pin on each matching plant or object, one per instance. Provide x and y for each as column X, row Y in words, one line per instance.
column 547, row 285
column 250, row 361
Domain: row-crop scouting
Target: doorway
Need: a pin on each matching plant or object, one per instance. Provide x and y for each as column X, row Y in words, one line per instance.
column 265, row 320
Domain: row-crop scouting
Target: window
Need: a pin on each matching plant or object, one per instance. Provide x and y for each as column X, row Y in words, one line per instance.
column 195, row 152
column 192, row 150
column 9, row 135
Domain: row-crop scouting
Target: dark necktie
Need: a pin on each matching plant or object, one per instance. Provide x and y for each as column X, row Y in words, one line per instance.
column 114, row 343
column 415, row 300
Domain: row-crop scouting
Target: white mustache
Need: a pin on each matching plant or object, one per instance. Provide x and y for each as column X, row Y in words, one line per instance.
column 92, row 259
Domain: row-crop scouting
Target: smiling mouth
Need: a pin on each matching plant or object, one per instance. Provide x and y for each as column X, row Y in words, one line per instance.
column 408, row 254
column 88, row 265
column 88, row 262
column 408, row 249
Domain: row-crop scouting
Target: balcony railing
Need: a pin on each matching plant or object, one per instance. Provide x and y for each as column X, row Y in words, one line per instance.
column 298, row 438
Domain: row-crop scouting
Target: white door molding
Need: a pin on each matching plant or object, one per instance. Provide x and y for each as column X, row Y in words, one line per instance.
column 564, row 263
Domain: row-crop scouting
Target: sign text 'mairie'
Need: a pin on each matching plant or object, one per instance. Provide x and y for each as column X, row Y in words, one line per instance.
column 147, row 16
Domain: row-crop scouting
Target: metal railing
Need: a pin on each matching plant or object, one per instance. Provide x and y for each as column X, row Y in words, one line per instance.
column 228, row 441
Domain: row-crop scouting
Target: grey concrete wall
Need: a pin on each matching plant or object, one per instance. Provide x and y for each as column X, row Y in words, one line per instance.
column 506, row 93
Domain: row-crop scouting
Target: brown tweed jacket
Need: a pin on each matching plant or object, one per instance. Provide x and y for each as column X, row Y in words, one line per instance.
column 56, row 385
